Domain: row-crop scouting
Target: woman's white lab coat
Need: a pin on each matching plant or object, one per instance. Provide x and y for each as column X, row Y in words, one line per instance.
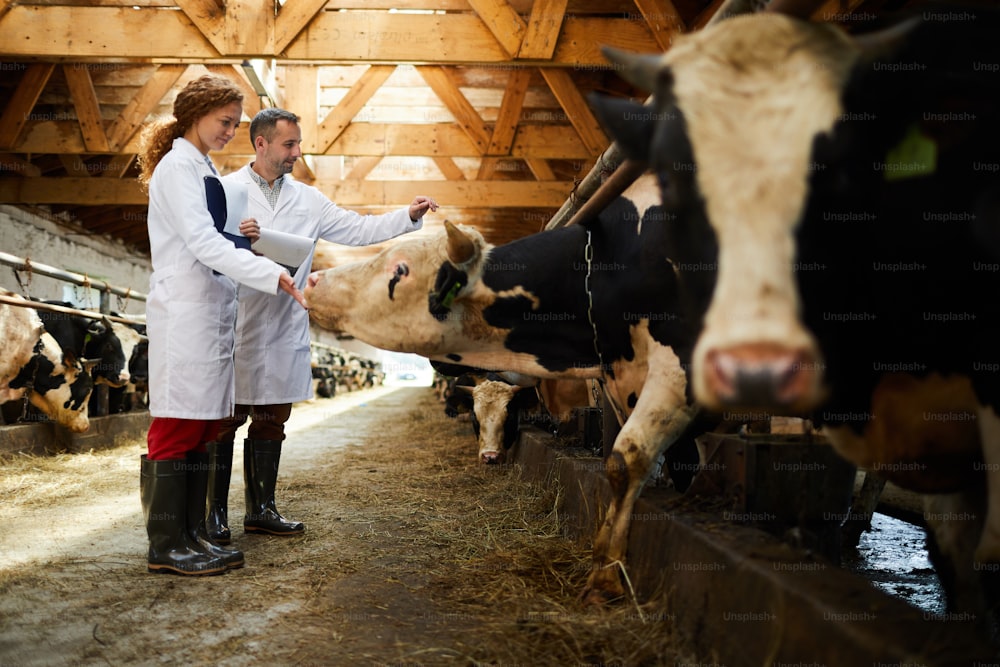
column 272, row 332
column 191, row 307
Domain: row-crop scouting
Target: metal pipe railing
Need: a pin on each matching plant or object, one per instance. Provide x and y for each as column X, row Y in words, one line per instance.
column 24, row 264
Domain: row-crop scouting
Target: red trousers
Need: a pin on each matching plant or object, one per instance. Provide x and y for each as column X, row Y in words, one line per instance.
column 170, row 439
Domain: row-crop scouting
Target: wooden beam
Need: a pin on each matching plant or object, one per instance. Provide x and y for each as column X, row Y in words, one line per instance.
column 576, row 108
column 142, row 104
column 303, row 170
column 18, row 110
column 209, row 18
column 541, row 169
column 465, row 114
column 250, row 28
column 487, row 167
column 663, row 20
column 88, row 108
column 302, row 99
column 509, row 116
column 362, row 167
column 13, row 164
column 75, row 166
column 544, row 26
column 559, row 142
column 341, row 116
column 459, row 38
column 5, row 6
column 251, row 100
column 503, row 22
column 449, row 169
column 117, row 165
column 457, row 194
column 292, row 19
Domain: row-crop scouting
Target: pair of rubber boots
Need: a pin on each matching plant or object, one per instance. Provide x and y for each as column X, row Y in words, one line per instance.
column 260, row 473
column 173, row 496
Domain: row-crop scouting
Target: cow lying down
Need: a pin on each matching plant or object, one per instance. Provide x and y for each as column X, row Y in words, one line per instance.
column 834, row 207
column 33, row 366
column 579, row 302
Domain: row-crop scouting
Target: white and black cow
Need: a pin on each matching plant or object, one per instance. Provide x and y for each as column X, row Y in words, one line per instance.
column 135, row 346
column 107, row 345
column 835, row 217
column 33, row 365
column 583, row 302
column 495, row 406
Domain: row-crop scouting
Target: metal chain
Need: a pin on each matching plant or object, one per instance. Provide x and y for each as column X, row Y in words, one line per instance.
column 123, row 300
column 588, row 255
column 17, row 276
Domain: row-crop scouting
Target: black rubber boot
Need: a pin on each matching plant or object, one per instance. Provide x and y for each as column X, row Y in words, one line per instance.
column 163, row 491
column 260, row 469
column 220, row 471
column 197, row 489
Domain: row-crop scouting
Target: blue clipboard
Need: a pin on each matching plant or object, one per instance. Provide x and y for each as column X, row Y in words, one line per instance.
column 215, row 195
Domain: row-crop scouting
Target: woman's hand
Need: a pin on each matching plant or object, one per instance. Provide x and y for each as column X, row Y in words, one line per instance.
column 287, row 284
column 250, row 229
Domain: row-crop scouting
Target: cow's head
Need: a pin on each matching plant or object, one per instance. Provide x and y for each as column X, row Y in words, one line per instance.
column 109, row 347
column 491, row 411
column 738, row 115
column 405, row 298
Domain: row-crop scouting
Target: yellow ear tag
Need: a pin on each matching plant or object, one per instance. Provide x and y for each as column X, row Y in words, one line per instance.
column 915, row 155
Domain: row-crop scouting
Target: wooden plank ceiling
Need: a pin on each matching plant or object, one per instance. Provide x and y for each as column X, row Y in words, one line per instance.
column 478, row 103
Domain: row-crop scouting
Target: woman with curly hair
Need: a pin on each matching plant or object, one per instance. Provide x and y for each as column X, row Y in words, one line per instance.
column 190, row 320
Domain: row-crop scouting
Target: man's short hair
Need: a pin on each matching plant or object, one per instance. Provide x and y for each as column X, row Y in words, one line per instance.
column 265, row 122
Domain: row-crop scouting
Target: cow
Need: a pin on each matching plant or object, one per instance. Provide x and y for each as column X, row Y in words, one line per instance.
column 33, row 366
column 834, row 208
column 495, row 406
column 584, row 302
column 105, row 343
column 560, row 400
column 135, row 346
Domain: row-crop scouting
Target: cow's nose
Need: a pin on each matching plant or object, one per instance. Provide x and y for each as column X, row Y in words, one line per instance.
column 764, row 376
column 491, row 458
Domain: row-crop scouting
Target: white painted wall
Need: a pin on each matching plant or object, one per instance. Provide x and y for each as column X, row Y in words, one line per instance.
column 48, row 241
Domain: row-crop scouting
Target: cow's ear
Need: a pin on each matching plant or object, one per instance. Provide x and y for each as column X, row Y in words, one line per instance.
column 461, row 247
column 631, row 125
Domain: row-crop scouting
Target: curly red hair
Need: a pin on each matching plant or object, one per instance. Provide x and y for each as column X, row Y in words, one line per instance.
column 198, row 98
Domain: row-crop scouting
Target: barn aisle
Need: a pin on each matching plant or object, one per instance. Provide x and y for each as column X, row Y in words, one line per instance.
column 414, row 555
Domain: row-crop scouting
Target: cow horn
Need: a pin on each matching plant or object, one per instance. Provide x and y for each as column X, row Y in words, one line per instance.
column 464, row 387
column 461, row 248
column 886, row 42
column 641, row 70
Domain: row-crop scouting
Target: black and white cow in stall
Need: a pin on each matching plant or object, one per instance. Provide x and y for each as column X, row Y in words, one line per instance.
column 33, row 366
column 99, row 341
column 135, row 346
column 584, row 301
column 834, row 206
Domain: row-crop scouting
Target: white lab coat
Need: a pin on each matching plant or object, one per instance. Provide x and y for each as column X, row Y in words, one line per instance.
column 191, row 311
column 272, row 332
